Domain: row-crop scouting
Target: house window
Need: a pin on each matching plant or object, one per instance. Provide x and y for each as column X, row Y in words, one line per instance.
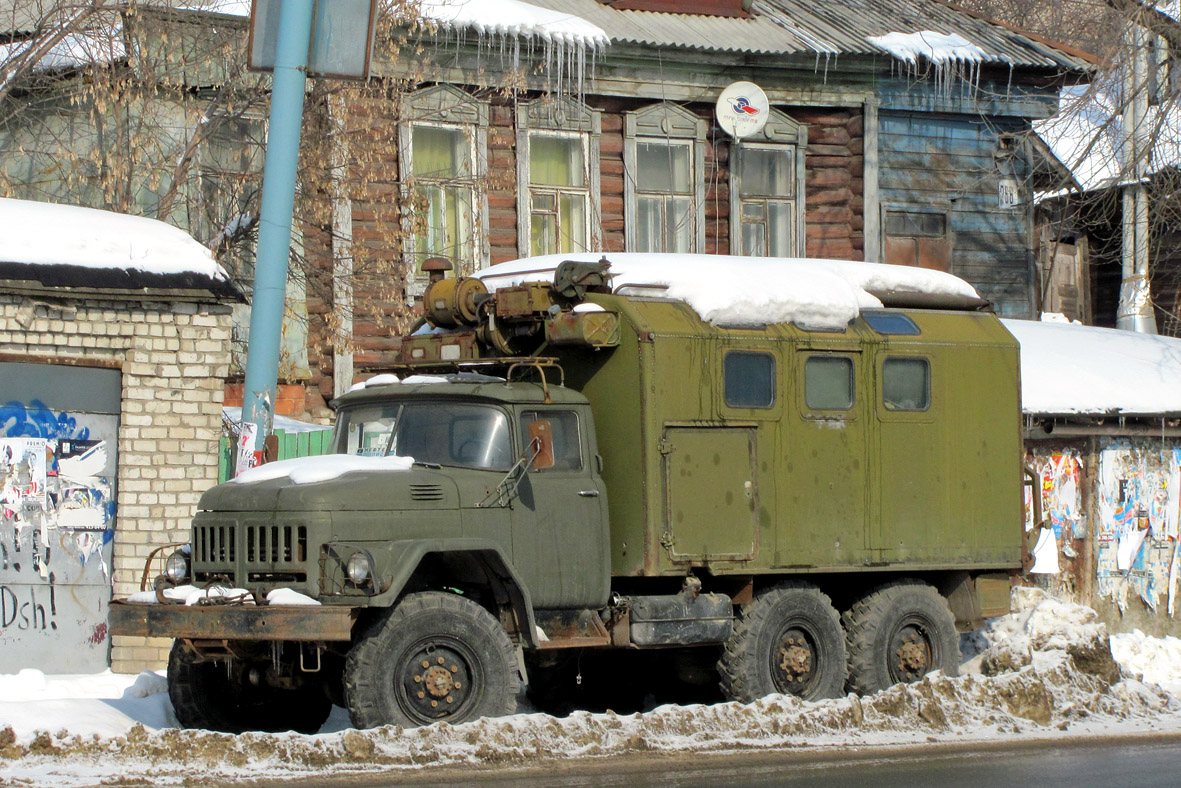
column 559, row 194
column 444, row 191
column 917, row 237
column 664, row 187
column 558, row 158
column 664, row 196
column 443, row 156
column 767, row 177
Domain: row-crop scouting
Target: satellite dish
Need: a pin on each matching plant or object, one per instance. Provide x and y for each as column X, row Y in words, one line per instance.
column 742, row 109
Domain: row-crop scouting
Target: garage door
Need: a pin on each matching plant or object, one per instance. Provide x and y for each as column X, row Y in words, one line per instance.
column 58, row 435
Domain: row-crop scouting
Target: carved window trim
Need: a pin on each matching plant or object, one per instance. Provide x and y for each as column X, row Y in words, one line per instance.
column 668, row 123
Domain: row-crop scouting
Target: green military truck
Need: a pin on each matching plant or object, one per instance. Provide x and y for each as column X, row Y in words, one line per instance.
column 579, row 482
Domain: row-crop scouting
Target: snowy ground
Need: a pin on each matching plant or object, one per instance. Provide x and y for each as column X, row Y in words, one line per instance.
column 1046, row 670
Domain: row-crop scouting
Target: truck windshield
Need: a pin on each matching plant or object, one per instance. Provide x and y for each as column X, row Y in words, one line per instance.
column 440, row 433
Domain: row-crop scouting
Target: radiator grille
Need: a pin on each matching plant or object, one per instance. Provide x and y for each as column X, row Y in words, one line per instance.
column 214, row 544
column 276, row 544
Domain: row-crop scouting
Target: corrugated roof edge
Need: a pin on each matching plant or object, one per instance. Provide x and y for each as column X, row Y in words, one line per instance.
column 1066, row 48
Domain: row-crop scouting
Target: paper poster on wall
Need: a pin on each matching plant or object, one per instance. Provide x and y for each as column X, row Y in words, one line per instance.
column 23, row 472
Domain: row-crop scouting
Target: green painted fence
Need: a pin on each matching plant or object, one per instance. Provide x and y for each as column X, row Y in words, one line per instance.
column 291, row 444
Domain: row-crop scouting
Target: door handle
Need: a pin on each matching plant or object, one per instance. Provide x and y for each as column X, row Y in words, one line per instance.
column 589, row 493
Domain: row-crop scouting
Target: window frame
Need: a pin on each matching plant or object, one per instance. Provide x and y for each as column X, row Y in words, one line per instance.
column 926, row 364
column 842, row 414
column 552, row 117
column 445, row 106
column 774, row 379
column 558, row 192
column 548, row 413
column 917, row 416
column 782, row 133
column 664, row 123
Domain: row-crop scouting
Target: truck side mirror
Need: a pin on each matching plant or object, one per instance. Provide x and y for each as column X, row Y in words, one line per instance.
column 541, row 440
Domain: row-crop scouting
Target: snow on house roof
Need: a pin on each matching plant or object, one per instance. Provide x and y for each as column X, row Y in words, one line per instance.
column 1081, row 370
column 514, row 18
column 99, row 45
column 939, row 48
column 1087, row 135
column 747, row 291
column 64, row 245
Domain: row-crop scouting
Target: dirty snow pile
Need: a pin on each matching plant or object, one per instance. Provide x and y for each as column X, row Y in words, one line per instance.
column 750, row 291
column 1041, row 671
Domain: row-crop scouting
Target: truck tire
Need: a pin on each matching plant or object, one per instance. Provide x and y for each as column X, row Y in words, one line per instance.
column 788, row 640
column 436, row 656
column 214, row 696
column 899, row 633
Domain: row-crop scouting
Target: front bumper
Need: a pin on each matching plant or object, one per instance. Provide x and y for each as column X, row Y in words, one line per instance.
column 232, row 622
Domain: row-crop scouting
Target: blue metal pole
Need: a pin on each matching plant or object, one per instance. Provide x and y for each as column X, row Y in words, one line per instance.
column 278, row 204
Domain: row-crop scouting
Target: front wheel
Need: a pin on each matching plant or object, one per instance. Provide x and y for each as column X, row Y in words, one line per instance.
column 788, row 640
column 899, row 633
column 435, row 657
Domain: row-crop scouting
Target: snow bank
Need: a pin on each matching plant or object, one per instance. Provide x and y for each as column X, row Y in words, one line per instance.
column 40, row 233
column 941, row 48
column 1154, row 660
column 309, row 470
column 1042, row 671
column 1071, row 369
column 751, row 291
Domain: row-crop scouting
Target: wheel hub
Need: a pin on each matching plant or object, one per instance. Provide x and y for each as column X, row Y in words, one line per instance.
column 794, row 662
column 436, row 682
column 794, row 659
column 912, row 654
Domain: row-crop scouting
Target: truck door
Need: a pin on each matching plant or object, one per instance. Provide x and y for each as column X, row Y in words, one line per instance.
column 828, row 451
column 560, row 541
column 710, row 487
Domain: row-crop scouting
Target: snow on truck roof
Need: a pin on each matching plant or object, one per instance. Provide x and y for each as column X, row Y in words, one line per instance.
column 63, row 244
column 728, row 290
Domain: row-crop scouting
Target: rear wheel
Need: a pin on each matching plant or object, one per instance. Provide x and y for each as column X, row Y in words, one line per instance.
column 435, row 657
column 898, row 634
column 232, row 696
column 788, row 640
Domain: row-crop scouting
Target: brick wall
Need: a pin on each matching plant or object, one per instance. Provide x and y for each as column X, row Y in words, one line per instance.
column 173, row 357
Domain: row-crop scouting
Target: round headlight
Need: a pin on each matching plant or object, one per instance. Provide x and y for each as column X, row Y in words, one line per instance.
column 359, row 568
column 176, row 568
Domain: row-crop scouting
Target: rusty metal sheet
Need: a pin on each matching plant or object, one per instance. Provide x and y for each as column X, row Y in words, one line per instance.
column 572, row 629
column 232, row 622
column 451, row 346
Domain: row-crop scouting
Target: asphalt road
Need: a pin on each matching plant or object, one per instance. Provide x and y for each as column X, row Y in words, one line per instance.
column 1121, row 762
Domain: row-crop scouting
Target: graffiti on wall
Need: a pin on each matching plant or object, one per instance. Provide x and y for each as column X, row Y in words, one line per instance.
column 57, row 510
column 1138, row 499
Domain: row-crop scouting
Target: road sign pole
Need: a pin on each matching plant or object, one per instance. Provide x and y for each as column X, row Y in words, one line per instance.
column 278, row 203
